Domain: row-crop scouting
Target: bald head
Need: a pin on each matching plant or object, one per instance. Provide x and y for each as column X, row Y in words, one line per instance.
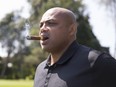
column 65, row 14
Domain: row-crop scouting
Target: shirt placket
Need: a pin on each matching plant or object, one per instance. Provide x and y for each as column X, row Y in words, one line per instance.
column 48, row 76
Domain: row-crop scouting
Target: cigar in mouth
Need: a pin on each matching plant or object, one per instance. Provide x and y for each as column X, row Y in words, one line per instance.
column 34, row 38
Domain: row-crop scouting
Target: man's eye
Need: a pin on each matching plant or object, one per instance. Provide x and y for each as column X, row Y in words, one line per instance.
column 41, row 24
column 51, row 23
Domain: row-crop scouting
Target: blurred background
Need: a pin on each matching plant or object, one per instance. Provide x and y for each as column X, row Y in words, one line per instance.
column 20, row 57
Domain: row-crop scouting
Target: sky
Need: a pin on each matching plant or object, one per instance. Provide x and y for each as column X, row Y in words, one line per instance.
column 102, row 25
column 7, row 6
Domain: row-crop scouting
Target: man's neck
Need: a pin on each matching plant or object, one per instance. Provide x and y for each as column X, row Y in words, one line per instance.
column 57, row 55
column 54, row 58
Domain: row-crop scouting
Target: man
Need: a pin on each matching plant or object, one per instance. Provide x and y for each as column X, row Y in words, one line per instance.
column 69, row 63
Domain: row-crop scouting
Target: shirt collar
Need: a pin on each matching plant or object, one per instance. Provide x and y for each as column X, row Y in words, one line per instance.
column 66, row 56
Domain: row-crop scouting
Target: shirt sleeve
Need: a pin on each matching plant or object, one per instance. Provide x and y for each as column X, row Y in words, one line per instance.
column 105, row 67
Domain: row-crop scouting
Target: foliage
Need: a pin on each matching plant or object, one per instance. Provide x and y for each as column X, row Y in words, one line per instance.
column 10, row 34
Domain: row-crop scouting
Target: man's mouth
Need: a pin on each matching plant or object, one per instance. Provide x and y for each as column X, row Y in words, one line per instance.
column 44, row 38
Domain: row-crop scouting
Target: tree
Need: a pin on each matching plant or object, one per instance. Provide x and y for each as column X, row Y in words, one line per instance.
column 10, row 36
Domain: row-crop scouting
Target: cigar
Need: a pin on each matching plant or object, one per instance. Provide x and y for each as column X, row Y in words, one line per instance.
column 34, row 38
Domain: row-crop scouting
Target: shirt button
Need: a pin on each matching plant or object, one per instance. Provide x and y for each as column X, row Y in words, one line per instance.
column 46, row 84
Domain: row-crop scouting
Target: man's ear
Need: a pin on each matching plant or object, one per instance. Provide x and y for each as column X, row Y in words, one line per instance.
column 73, row 29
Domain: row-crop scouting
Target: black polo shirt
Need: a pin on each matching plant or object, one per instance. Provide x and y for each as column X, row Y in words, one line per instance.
column 75, row 69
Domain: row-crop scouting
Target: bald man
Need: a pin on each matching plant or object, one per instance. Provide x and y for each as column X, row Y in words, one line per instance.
column 69, row 63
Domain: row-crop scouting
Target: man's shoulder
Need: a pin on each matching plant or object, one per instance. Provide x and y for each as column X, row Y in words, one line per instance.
column 93, row 55
column 42, row 64
column 106, row 59
column 100, row 58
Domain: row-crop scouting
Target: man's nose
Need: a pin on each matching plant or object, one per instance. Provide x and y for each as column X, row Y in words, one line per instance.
column 43, row 28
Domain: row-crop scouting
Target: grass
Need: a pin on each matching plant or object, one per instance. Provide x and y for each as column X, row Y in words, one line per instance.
column 16, row 83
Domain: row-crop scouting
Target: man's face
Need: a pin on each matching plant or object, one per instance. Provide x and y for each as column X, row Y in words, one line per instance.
column 54, row 29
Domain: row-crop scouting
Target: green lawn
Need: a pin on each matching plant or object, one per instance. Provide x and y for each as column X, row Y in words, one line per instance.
column 16, row 83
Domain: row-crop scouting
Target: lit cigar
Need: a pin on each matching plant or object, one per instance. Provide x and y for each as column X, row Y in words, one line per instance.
column 34, row 38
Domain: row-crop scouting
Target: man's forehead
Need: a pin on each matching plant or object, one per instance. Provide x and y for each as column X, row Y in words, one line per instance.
column 59, row 14
column 50, row 16
column 47, row 18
